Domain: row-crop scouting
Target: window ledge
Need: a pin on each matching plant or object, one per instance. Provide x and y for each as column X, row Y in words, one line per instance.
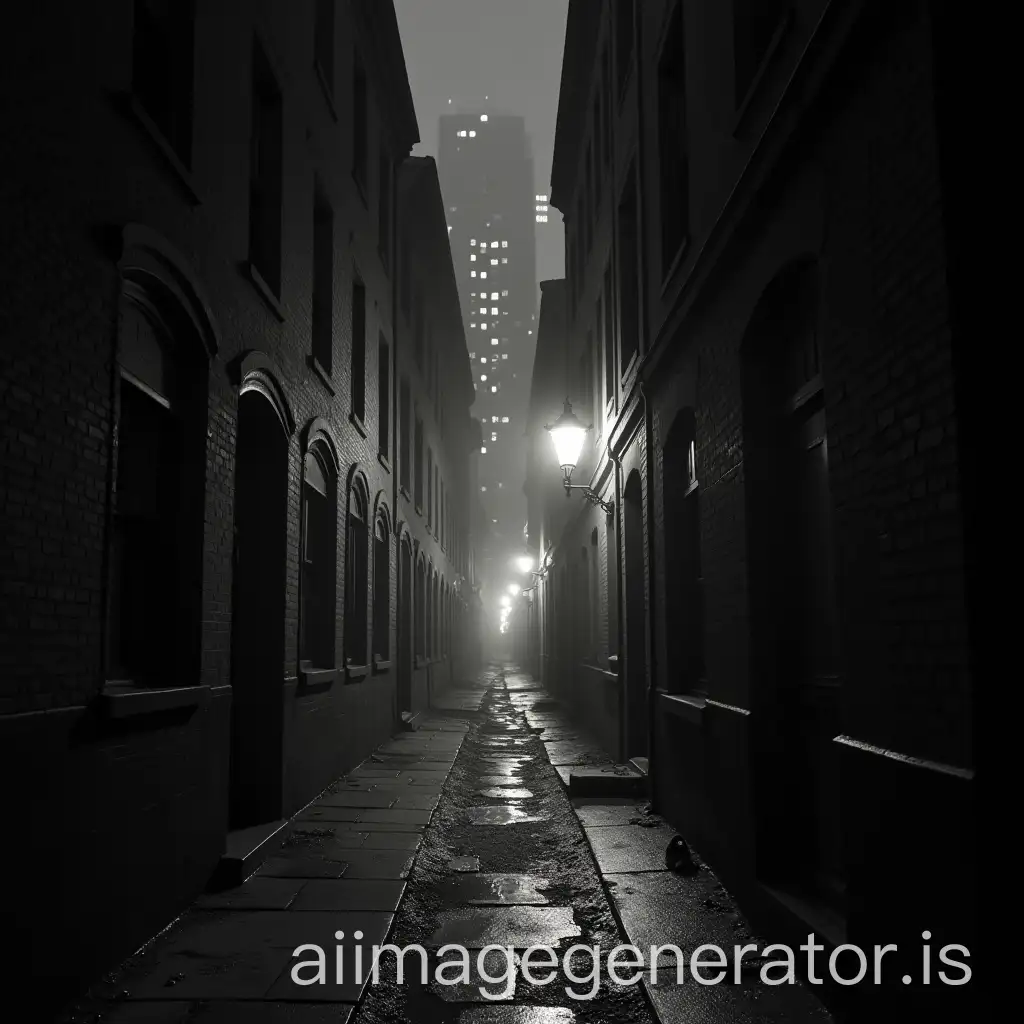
column 384, row 461
column 380, row 665
column 419, row 509
column 321, row 77
column 264, row 289
column 404, row 491
column 357, row 421
column 356, row 672
column 182, row 173
column 673, row 267
column 311, row 676
column 325, row 376
column 688, row 706
column 122, row 699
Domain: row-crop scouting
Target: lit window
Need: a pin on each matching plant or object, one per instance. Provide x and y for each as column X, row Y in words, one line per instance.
column 504, row 419
column 529, row 332
column 483, row 359
column 483, row 273
column 494, row 295
column 472, row 273
column 542, row 209
column 494, row 310
column 483, row 376
column 483, row 449
column 542, row 218
column 483, row 327
column 494, row 263
column 472, row 241
column 483, row 117
column 494, row 388
column 483, row 309
column 462, row 135
column 494, row 435
column 504, row 259
column 500, row 484
column 494, row 359
column 504, row 355
column 483, row 247
column 472, row 135
column 494, row 341
column 504, row 245
column 494, row 245
column 472, row 259
column 504, row 293
column 483, row 488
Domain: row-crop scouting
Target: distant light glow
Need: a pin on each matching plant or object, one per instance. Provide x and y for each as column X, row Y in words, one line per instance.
column 524, row 563
column 483, row 117
column 506, row 601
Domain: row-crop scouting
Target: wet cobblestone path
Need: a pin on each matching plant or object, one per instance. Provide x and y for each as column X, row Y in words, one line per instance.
column 504, row 861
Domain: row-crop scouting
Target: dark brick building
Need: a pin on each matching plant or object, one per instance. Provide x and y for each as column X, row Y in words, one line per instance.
column 761, row 302
column 218, row 594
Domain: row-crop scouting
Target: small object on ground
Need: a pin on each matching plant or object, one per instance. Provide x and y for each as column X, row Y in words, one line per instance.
column 677, row 857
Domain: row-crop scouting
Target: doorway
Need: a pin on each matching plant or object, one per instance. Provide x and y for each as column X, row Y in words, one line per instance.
column 258, row 614
column 636, row 725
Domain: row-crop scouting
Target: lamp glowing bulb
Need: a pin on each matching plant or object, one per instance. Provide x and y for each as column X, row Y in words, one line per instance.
column 513, row 589
column 524, row 563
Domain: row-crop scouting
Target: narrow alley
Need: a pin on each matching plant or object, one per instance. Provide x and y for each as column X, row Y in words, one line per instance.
column 461, row 833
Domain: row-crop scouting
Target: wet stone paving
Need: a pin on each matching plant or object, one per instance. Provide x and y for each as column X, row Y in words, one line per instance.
column 460, row 833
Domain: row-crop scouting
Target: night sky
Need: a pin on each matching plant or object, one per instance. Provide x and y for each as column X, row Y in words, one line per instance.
column 507, row 50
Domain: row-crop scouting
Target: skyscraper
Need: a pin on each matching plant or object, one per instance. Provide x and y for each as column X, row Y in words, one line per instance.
column 486, row 169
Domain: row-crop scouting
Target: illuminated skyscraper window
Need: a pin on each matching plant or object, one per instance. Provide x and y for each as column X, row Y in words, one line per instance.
column 483, row 117
column 472, row 135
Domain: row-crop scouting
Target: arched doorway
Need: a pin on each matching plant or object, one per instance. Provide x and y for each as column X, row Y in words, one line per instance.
column 793, row 614
column 258, row 615
column 405, row 625
column 636, row 723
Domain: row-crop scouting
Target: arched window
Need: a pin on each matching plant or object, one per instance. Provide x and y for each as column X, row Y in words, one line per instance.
column 317, row 585
column 420, row 609
column 381, row 589
column 156, row 558
column 356, row 572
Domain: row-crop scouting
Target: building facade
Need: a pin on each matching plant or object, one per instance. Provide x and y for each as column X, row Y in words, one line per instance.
column 487, row 178
column 762, row 304
column 217, row 594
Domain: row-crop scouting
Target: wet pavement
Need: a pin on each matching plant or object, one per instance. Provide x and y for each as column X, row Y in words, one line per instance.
column 461, row 832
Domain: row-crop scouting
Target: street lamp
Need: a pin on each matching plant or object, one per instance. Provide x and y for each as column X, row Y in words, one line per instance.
column 568, row 435
column 524, row 563
column 513, row 589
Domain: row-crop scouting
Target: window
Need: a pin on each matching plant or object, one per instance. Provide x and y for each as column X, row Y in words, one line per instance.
column 419, row 603
column 265, row 173
column 323, row 42
column 405, row 432
column 418, row 483
column 672, row 141
column 383, row 396
column 629, row 299
column 356, row 566
column 430, row 486
column 358, row 350
column 624, row 41
column 384, row 208
column 317, row 585
column 754, row 26
column 609, row 338
column 157, row 539
column 359, row 124
column 162, row 67
column 323, row 281
column 381, row 589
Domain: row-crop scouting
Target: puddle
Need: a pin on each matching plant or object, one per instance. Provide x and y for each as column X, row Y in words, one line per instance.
column 506, row 793
column 518, row 927
column 464, row 864
column 501, row 816
column 495, row 890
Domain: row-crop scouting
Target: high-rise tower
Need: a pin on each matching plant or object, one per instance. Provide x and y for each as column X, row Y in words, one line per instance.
column 486, row 169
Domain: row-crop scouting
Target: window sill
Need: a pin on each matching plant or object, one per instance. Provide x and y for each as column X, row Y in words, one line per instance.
column 310, row 677
column 264, row 289
column 355, row 673
column 384, row 461
column 325, row 376
column 419, row 510
column 404, row 491
column 181, row 172
column 125, row 700
column 627, row 373
column 380, row 665
column 687, row 706
column 677, row 260
column 356, row 420
column 752, row 89
column 321, row 77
